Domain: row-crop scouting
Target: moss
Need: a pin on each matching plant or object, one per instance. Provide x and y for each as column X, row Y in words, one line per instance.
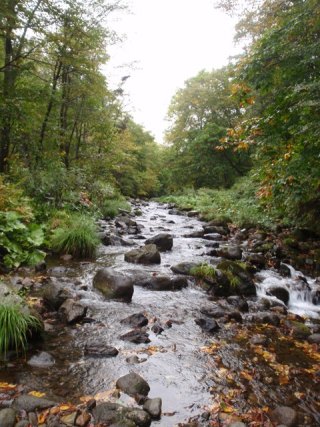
column 204, row 271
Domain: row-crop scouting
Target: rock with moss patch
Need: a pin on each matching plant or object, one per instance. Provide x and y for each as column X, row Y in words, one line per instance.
column 233, row 279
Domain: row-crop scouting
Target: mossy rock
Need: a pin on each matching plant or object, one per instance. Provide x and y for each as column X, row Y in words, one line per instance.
column 234, row 279
column 300, row 330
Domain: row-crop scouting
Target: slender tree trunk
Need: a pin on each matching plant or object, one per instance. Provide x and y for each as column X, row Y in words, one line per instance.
column 66, row 80
column 55, row 79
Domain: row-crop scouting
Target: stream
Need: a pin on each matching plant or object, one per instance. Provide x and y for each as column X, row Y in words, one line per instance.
column 189, row 369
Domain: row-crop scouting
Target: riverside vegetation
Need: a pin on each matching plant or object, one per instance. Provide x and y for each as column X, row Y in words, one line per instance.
column 242, row 153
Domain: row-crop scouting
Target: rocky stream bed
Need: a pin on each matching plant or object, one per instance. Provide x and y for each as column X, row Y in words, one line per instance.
column 132, row 339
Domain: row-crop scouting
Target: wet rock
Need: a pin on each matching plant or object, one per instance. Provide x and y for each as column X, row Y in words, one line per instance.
column 238, row 302
column 300, row 330
column 137, row 320
column 133, row 360
column 266, row 318
column 230, row 252
column 234, row 315
column 284, row 415
column 69, row 419
column 54, row 421
column 216, row 312
column 207, row 325
column 281, row 293
column 194, row 234
column 233, row 280
column 83, row 419
column 7, row 417
column 100, row 350
column 314, row 339
column 165, row 283
column 113, row 240
column 41, row 267
column 212, row 236
column 108, row 413
column 153, row 407
column 256, row 259
column 113, row 285
column 284, row 270
column 22, row 423
column 42, row 360
column 157, row 329
column 72, row 311
column 163, row 241
column 32, row 403
column 209, row 229
column 146, row 255
column 259, row 340
column 133, row 384
column 184, row 268
column 55, row 295
column 139, row 417
column 192, row 214
column 136, row 336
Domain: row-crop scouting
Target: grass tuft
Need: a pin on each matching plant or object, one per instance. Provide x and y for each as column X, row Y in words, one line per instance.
column 15, row 327
column 203, row 271
column 110, row 208
column 76, row 236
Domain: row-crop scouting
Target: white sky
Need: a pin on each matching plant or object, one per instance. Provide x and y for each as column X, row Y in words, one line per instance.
column 168, row 41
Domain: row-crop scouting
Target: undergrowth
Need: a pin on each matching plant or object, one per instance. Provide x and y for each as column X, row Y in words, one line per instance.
column 75, row 235
column 15, row 325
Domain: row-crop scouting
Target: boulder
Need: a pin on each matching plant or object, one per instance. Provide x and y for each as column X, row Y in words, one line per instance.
column 223, row 231
column 133, row 384
column 256, row 259
column 184, row 268
column 230, row 252
column 284, row 415
column 146, row 255
column 7, row 417
column 194, row 234
column 113, row 240
column 314, row 339
column 213, row 236
column 113, row 285
column 153, row 407
column 238, row 302
column 100, row 350
column 136, row 336
column 54, row 294
column 72, row 311
column 139, row 417
column 281, row 293
column 215, row 312
column 137, row 320
column 32, row 403
column 165, row 283
column 163, row 241
column 207, row 325
column 233, row 279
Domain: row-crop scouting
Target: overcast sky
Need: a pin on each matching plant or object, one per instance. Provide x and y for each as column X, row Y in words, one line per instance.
column 167, row 42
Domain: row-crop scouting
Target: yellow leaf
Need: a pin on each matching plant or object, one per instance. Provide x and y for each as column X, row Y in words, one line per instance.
column 7, row 385
column 36, row 394
column 246, row 375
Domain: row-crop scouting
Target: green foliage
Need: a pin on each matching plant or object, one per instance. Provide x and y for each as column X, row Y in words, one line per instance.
column 15, row 327
column 110, row 208
column 238, row 205
column 203, row 271
column 77, row 236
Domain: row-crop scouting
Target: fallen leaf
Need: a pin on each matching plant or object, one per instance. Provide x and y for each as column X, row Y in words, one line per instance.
column 36, row 394
column 8, row 386
column 246, row 375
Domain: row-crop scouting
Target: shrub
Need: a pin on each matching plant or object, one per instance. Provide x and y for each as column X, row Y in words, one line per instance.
column 110, row 208
column 15, row 326
column 76, row 236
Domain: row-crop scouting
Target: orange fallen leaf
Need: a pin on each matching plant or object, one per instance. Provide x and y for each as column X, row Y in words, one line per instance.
column 8, row 386
column 246, row 375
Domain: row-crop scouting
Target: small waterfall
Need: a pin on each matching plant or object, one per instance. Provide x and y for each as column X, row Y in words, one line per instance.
column 304, row 292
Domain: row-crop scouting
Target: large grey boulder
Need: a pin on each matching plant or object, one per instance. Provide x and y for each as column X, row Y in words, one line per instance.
column 163, row 241
column 133, row 384
column 230, row 252
column 184, row 268
column 109, row 413
column 54, row 294
column 146, row 255
column 284, row 415
column 113, row 285
column 153, row 407
column 72, row 311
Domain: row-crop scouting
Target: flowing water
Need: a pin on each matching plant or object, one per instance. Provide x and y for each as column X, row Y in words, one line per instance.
column 174, row 365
